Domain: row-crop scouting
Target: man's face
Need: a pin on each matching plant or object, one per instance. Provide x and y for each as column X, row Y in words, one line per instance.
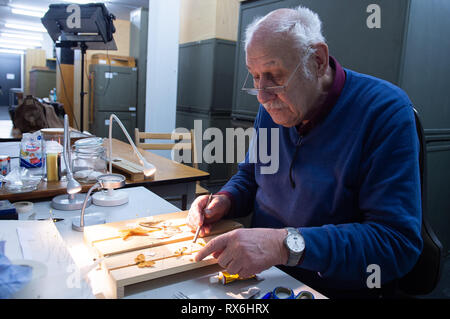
column 271, row 63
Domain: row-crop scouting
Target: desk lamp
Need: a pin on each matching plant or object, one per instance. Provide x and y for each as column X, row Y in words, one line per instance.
column 73, row 200
column 113, row 197
column 106, row 181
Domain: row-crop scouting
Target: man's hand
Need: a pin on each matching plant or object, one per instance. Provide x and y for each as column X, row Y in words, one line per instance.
column 206, row 216
column 247, row 251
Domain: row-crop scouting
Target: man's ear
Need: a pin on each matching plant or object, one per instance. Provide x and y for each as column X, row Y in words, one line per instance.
column 321, row 59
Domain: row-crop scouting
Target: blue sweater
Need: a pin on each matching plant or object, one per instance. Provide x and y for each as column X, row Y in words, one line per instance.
column 356, row 199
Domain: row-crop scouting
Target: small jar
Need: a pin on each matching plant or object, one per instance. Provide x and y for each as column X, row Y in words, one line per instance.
column 88, row 159
column 53, row 145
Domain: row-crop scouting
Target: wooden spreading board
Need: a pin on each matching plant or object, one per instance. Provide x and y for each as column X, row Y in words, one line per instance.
column 132, row 171
column 120, row 254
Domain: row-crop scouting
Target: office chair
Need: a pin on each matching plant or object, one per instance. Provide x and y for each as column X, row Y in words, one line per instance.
column 425, row 275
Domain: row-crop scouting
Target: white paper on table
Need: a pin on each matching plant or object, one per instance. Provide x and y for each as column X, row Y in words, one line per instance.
column 27, row 240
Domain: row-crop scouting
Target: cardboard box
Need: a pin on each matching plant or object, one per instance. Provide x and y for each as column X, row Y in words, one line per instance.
column 113, row 60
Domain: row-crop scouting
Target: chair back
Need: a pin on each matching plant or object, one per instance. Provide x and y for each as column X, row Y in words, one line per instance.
column 178, row 141
column 426, row 273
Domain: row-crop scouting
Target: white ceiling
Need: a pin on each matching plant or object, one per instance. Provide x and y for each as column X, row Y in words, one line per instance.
column 120, row 8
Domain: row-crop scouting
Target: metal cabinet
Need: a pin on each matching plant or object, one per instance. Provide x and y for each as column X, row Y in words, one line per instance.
column 205, row 91
column 112, row 90
column 42, row 82
column 138, row 50
column 101, row 124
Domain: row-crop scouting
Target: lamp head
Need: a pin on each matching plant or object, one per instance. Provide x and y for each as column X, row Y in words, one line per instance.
column 111, row 181
column 73, row 186
column 149, row 169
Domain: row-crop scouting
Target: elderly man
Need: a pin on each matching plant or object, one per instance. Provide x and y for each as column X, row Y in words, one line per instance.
column 346, row 197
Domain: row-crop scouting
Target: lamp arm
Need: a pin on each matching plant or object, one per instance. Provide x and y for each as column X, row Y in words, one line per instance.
column 139, row 155
column 66, row 147
column 96, row 185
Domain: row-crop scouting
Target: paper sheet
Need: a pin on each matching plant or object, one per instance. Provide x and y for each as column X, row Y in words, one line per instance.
column 27, row 241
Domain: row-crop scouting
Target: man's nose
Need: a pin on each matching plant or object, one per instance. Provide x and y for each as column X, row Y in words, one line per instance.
column 264, row 97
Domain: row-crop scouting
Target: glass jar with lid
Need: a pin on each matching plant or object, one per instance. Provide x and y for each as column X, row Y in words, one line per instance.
column 88, row 159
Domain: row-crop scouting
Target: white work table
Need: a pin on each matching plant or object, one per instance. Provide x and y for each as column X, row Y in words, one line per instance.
column 142, row 203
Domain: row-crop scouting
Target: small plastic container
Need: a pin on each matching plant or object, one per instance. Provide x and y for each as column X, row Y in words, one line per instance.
column 53, row 145
column 53, row 165
column 88, row 159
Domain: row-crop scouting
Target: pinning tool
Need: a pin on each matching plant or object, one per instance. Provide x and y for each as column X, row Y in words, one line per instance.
column 199, row 226
column 53, row 219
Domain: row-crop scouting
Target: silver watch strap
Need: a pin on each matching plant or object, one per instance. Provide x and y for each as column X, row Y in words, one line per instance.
column 293, row 259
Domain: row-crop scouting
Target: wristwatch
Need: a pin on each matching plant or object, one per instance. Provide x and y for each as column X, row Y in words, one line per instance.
column 295, row 244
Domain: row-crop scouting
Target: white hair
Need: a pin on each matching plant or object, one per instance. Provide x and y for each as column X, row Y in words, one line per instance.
column 303, row 25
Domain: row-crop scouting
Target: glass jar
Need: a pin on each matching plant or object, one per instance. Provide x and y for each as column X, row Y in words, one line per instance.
column 88, row 159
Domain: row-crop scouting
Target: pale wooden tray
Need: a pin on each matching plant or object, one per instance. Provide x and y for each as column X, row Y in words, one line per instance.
column 120, row 265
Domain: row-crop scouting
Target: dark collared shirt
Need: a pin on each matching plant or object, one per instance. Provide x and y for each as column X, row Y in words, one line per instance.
column 333, row 94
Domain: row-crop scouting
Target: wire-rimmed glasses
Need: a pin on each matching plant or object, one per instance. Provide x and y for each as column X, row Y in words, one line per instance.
column 270, row 89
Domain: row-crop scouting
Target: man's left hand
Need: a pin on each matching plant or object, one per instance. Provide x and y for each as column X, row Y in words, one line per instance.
column 247, row 251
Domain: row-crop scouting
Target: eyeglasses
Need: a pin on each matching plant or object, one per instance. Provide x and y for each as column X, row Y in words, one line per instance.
column 270, row 89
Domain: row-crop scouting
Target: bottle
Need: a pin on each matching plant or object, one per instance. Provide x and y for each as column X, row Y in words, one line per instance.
column 31, row 154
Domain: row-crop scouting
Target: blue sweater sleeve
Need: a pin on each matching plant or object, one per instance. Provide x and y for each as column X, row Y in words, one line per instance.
column 242, row 186
column 389, row 199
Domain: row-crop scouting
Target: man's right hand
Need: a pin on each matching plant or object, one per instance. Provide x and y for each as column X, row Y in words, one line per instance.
column 206, row 216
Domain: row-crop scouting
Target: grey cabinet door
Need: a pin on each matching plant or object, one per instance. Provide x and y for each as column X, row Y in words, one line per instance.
column 246, row 106
column 100, row 127
column 115, row 88
column 205, row 74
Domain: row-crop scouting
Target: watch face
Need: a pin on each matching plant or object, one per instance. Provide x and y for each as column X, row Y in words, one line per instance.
column 295, row 243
